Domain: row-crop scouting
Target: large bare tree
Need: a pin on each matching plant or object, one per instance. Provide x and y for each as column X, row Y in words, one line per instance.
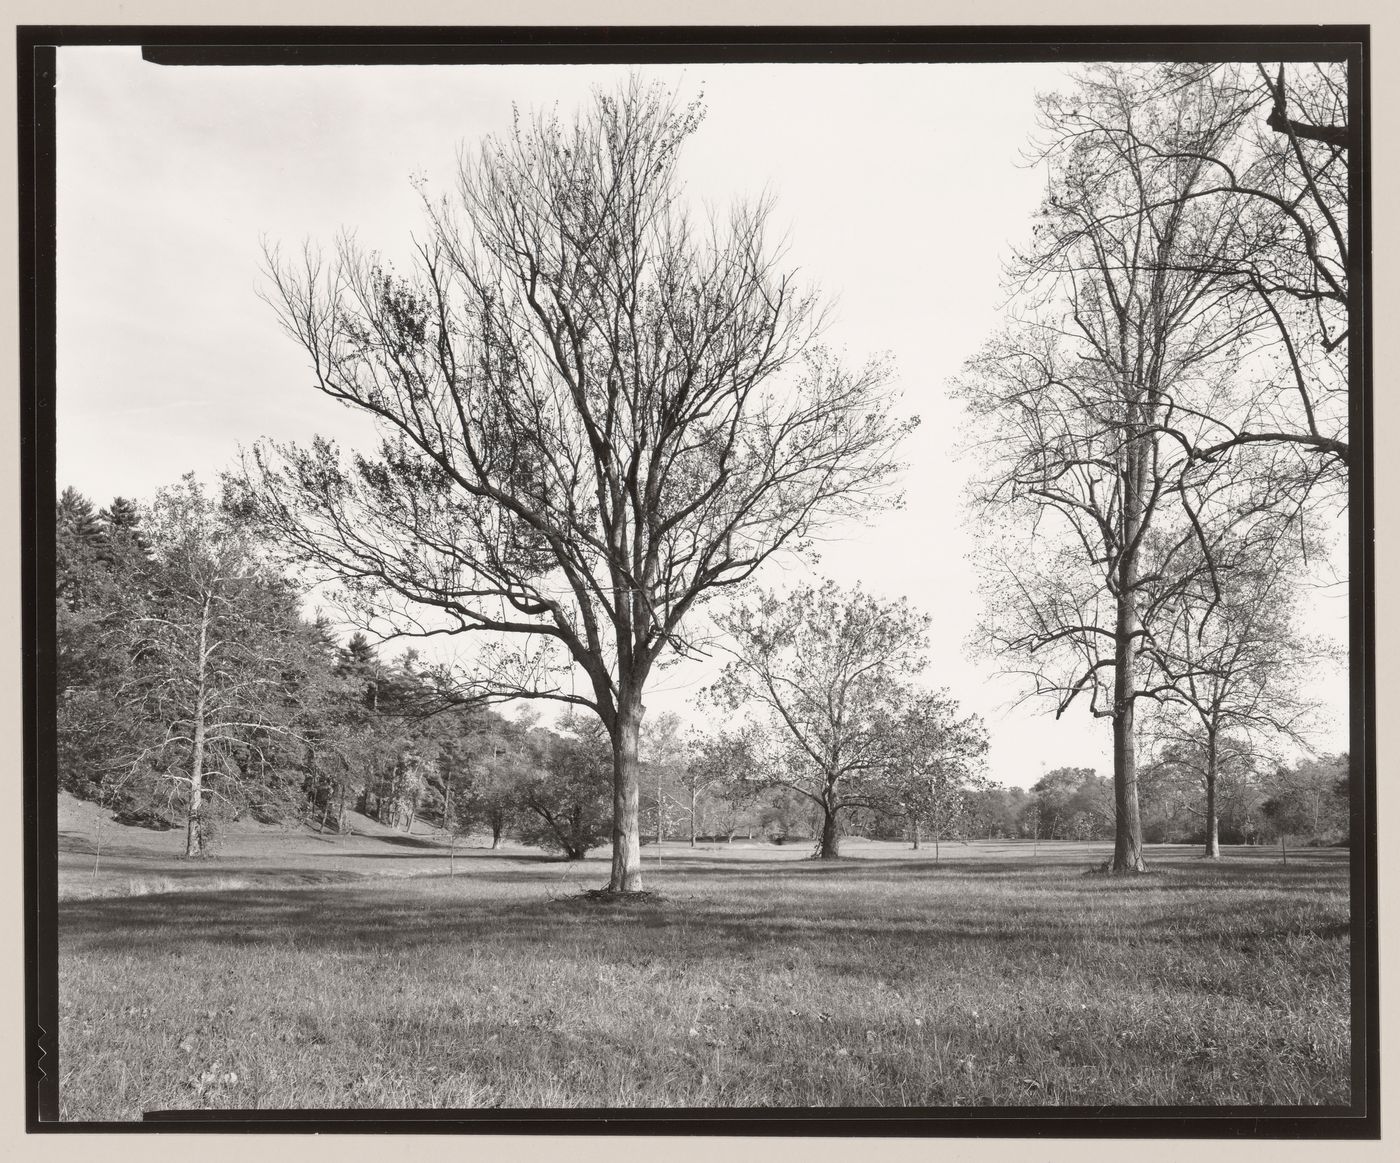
column 596, row 413
column 1092, row 407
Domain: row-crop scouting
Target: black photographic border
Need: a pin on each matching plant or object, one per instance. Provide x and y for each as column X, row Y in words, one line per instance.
column 300, row 46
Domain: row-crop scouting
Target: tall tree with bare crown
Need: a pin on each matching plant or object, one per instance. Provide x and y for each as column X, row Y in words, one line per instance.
column 595, row 414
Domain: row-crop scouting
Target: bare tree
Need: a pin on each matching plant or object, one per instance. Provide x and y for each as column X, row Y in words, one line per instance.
column 1092, row 407
column 217, row 647
column 1273, row 141
column 827, row 670
column 717, row 763
column 595, row 415
column 1232, row 661
column 663, row 756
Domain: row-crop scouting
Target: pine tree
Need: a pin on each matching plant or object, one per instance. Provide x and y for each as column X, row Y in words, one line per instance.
column 79, row 540
column 91, row 660
column 122, row 532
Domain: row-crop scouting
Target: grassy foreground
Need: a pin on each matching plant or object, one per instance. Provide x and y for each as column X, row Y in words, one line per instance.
column 760, row 979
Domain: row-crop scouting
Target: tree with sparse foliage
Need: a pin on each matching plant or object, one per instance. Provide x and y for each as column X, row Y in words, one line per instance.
column 826, row 670
column 716, row 775
column 663, row 757
column 1308, row 799
column 936, row 767
column 1233, row 662
column 1093, row 409
column 596, row 415
column 217, row 647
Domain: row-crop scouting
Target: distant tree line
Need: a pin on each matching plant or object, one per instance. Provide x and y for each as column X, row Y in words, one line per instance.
column 1306, row 802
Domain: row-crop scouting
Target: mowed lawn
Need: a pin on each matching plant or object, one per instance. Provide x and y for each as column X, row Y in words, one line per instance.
column 312, row 972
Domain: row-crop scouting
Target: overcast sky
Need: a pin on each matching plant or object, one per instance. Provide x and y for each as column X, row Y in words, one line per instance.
column 900, row 185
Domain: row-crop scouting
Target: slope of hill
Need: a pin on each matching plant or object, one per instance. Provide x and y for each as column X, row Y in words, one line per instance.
column 97, row 856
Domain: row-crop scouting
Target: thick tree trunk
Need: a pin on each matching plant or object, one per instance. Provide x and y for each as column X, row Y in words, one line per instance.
column 626, row 836
column 916, row 835
column 496, row 826
column 831, row 840
column 694, row 796
column 1212, row 809
column 1127, row 832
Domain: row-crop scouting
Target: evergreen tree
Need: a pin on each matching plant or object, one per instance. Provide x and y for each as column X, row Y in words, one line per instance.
column 79, row 541
column 121, row 531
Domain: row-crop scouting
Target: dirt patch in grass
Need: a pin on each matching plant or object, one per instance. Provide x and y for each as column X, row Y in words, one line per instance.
column 608, row 896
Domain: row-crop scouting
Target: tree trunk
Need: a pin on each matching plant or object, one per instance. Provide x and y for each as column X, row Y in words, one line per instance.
column 694, row 797
column 831, row 841
column 1127, row 832
column 626, row 836
column 194, row 826
column 1127, row 828
column 412, row 815
column 916, row 835
column 937, row 854
column 1212, row 809
column 497, row 823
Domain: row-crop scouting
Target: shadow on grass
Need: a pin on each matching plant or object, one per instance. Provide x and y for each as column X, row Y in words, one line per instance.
column 411, row 842
column 461, row 857
column 1175, row 871
column 539, row 913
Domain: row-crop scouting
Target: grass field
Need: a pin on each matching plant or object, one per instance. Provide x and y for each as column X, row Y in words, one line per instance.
column 301, row 971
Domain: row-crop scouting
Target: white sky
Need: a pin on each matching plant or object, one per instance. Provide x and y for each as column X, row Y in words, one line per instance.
column 900, row 186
